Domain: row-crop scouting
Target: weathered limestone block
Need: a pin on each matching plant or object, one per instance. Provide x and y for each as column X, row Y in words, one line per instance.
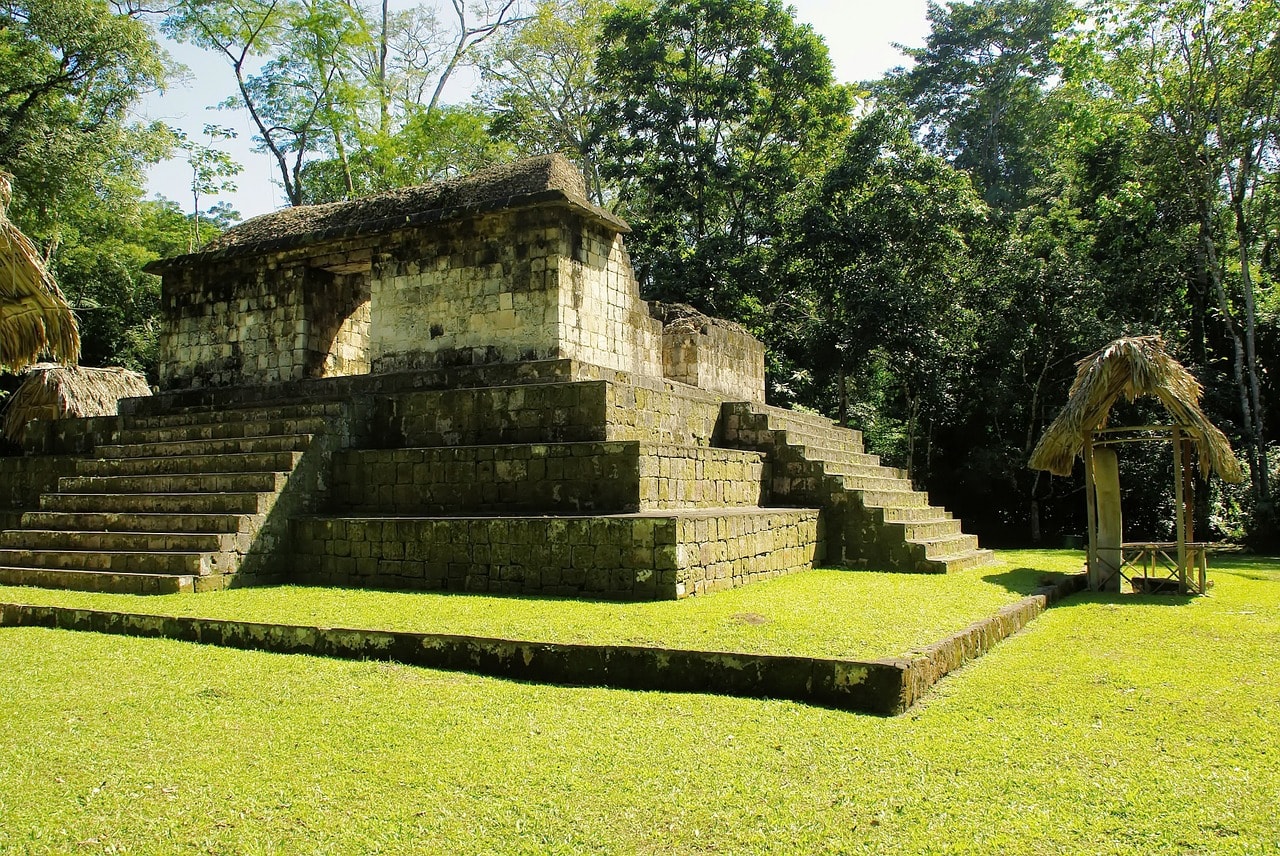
column 548, row 282
column 710, row 353
column 546, row 478
column 509, row 265
column 23, row 479
column 644, row 557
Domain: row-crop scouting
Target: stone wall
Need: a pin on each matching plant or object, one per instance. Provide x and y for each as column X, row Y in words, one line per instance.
column 71, row 436
column 383, row 285
column 335, row 334
column 529, row 284
column 647, row 410
column 710, row 353
column 628, row 556
column 23, row 479
column 546, row 477
column 261, row 319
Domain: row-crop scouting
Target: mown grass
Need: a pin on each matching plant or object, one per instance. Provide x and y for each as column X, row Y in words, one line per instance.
column 1112, row 725
column 828, row 613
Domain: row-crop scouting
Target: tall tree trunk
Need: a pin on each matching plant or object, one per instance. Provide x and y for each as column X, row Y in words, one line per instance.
column 1261, row 481
column 1214, row 271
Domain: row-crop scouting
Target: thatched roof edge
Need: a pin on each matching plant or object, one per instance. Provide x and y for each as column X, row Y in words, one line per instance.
column 35, row 317
column 1132, row 367
column 56, row 392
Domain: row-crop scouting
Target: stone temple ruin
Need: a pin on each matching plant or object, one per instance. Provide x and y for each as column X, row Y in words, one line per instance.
column 452, row 387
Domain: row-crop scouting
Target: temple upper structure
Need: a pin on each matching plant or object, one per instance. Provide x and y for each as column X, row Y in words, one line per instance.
column 512, row 264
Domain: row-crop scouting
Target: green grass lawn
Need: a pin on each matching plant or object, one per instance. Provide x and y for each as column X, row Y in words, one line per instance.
column 1111, row 725
column 828, row 613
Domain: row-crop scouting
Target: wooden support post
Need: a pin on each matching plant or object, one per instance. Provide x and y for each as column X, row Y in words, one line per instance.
column 1110, row 549
column 1091, row 515
column 1180, row 509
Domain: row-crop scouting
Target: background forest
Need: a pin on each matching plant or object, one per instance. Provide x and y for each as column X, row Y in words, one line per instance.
column 925, row 255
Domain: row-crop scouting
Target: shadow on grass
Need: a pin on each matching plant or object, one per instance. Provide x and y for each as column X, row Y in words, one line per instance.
column 1246, row 567
column 1111, row 598
column 1025, row 580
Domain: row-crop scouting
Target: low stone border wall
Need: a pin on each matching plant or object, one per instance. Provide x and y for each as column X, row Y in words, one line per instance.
column 929, row 665
column 884, row 687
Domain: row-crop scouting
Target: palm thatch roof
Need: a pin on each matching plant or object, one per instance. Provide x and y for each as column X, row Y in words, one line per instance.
column 56, row 392
column 1132, row 367
column 34, row 316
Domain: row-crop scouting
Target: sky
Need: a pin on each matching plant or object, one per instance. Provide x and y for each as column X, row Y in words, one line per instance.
column 860, row 35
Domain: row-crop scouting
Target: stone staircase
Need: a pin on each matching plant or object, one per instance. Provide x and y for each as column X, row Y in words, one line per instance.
column 595, row 486
column 877, row 518
column 182, row 501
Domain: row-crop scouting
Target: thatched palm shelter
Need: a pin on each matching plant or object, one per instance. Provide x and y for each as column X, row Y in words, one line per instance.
column 1133, row 367
column 55, row 392
column 35, row 318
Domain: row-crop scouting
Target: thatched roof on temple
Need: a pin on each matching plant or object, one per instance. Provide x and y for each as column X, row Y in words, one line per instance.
column 1133, row 367
column 35, row 318
column 57, row 392
column 533, row 179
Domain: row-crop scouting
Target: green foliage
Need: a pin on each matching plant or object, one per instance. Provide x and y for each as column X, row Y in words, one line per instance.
column 346, row 99
column 888, row 249
column 1160, row 713
column 715, row 111
column 432, row 146
column 1204, row 79
column 978, row 90
column 100, row 269
column 213, row 171
column 69, row 71
column 539, row 84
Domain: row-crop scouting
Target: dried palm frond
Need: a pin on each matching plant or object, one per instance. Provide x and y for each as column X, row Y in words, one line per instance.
column 1132, row 367
column 56, row 392
column 34, row 316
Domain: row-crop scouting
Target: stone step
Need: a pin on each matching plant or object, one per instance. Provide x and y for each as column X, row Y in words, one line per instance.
column 125, row 562
column 223, row 430
column 783, row 416
column 843, row 468
column 909, row 514
column 249, row 482
column 173, row 464
column 833, row 442
column 185, row 503
column 885, row 482
column 162, row 522
column 73, row 539
column 963, row 561
column 894, row 499
column 815, row 427
column 925, row 530
column 251, row 413
column 98, row 581
column 823, row 453
column 948, row 545
column 225, row 446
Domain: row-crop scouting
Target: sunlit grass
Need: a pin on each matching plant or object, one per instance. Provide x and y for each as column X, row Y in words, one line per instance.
column 831, row 613
column 1111, row 725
